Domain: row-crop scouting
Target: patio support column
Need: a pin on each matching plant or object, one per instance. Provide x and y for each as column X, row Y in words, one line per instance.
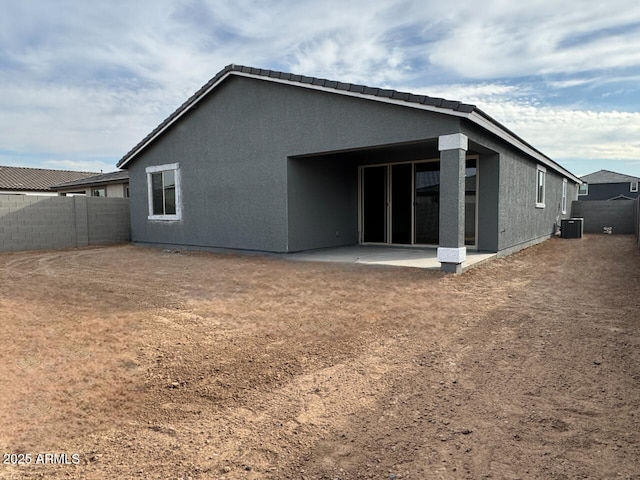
column 452, row 252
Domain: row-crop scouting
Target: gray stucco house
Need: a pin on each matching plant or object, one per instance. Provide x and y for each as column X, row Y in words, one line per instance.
column 608, row 185
column 271, row 161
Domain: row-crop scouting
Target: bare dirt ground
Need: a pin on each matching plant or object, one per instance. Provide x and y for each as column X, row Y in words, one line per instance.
column 150, row 364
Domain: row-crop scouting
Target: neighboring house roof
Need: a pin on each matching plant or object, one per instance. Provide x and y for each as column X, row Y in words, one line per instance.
column 423, row 102
column 36, row 179
column 607, row 176
column 120, row 176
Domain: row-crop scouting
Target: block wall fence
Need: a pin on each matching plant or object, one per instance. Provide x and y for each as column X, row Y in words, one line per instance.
column 44, row 223
column 619, row 214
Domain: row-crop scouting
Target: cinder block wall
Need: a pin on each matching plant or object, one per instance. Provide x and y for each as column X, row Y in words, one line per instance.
column 44, row 223
column 597, row 214
column 108, row 221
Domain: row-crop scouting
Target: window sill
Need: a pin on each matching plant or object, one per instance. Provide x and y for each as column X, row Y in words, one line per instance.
column 164, row 218
column 540, row 205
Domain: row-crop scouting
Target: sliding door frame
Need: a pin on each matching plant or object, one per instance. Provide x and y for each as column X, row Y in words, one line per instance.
column 389, row 210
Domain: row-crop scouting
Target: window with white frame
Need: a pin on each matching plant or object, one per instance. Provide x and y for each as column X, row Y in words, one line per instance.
column 583, row 189
column 634, row 187
column 564, row 195
column 163, row 184
column 541, row 178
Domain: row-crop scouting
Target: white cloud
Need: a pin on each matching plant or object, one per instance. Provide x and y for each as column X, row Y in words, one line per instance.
column 70, row 119
column 479, row 94
column 558, row 131
column 93, row 81
column 566, row 133
column 540, row 37
column 79, row 165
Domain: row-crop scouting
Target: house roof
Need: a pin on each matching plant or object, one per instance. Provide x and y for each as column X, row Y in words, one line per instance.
column 607, row 176
column 36, row 179
column 423, row 102
column 118, row 176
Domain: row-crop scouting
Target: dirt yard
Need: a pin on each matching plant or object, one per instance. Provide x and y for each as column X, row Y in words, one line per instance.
column 142, row 363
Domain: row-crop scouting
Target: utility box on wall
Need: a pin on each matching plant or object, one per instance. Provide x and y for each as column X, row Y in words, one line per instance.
column 572, row 227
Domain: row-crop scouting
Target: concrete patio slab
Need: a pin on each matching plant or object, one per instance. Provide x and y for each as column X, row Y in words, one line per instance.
column 383, row 255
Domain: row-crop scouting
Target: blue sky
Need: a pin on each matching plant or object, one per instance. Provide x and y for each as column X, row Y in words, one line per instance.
column 82, row 82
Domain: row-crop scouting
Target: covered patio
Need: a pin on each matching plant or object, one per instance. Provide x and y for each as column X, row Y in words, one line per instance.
column 427, row 202
column 426, row 258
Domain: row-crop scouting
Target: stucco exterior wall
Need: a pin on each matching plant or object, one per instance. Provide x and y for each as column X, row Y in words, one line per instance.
column 488, row 201
column 325, row 210
column 234, row 151
column 521, row 222
column 511, row 175
column 75, row 191
column 323, row 193
column 272, row 167
column 115, row 190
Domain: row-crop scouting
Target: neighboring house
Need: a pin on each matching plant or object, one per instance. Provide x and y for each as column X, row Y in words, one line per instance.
column 113, row 184
column 607, row 185
column 270, row 161
column 35, row 181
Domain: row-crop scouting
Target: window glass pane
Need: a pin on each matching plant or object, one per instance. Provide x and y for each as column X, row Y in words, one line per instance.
column 540, row 198
column 539, row 193
column 470, row 174
column 427, row 203
column 374, row 204
column 169, row 178
column 170, row 200
column 401, row 198
column 157, row 193
column 169, row 192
